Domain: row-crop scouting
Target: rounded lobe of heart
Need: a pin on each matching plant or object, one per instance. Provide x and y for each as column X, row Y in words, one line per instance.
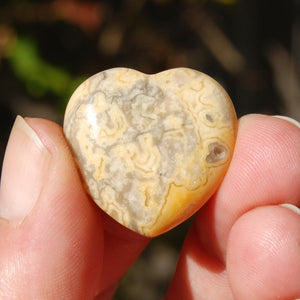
column 151, row 149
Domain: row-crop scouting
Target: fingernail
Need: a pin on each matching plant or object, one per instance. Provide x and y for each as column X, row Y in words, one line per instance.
column 291, row 207
column 24, row 171
column 293, row 121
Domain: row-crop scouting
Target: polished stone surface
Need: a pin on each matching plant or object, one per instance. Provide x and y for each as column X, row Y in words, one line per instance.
column 152, row 149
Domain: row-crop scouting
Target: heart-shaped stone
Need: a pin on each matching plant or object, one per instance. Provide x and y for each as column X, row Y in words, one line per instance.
column 152, row 149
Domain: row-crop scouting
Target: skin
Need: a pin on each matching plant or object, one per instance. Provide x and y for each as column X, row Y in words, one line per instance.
column 242, row 244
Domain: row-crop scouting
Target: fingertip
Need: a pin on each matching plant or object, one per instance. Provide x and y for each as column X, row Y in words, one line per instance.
column 264, row 171
column 288, row 119
column 266, row 162
column 61, row 238
column 50, row 133
column 26, row 165
column 263, row 254
column 291, row 207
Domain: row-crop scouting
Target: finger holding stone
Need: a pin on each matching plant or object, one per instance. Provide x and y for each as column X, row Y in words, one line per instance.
column 264, row 171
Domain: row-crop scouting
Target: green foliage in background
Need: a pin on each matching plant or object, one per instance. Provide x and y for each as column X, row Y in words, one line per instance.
column 40, row 77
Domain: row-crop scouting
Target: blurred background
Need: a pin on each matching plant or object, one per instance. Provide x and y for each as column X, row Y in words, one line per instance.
column 47, row 48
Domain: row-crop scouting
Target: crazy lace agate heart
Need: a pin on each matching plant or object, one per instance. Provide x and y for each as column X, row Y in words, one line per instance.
column 152, row 149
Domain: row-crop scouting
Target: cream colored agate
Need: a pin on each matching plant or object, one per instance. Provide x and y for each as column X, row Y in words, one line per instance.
column 152, row 149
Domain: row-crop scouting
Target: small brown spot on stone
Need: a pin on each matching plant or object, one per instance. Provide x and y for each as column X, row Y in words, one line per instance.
column 217, row 152
column 209, row 118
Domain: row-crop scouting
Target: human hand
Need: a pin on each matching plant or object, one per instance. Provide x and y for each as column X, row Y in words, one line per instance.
column 57, row 244
column 243, row 244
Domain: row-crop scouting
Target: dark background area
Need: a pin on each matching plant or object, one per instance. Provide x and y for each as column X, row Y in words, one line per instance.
column 47, row 48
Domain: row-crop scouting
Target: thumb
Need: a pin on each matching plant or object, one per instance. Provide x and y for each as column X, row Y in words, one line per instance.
column 51, row 238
